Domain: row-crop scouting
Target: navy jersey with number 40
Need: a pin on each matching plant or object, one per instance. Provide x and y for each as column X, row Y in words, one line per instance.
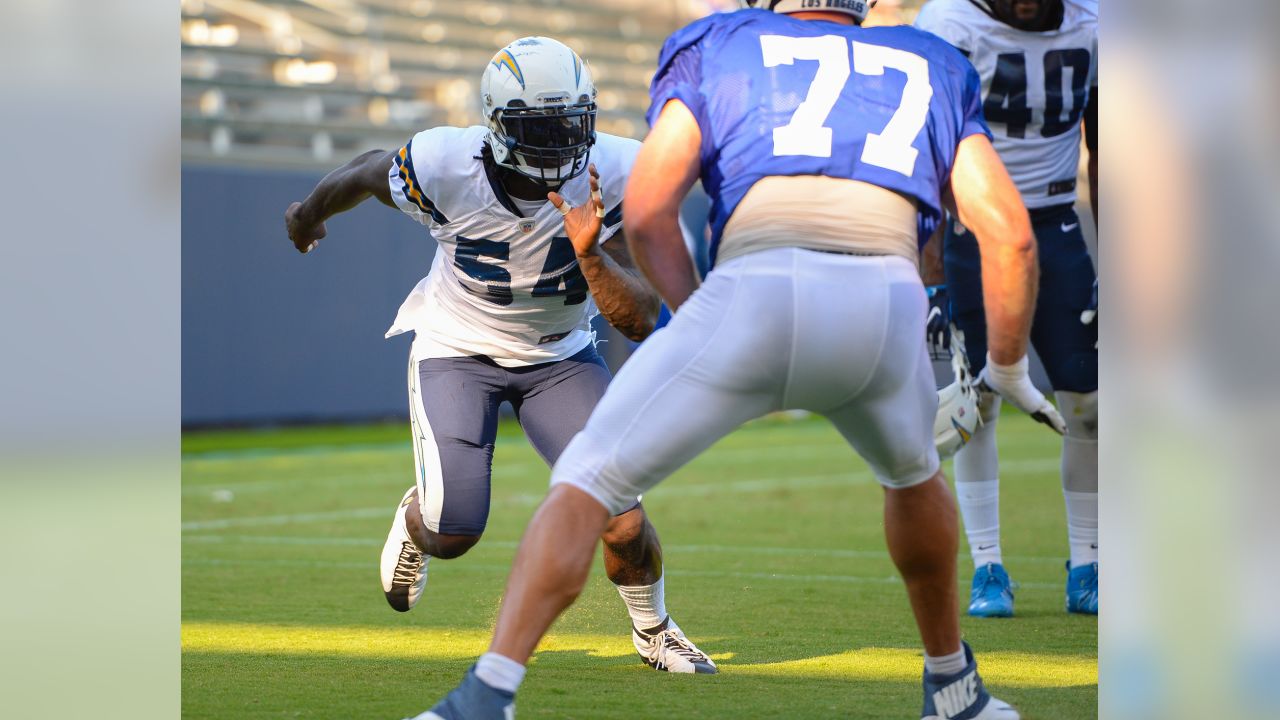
column 775, row 95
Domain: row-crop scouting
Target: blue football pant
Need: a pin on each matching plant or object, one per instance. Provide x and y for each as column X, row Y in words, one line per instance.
column 1067, row 348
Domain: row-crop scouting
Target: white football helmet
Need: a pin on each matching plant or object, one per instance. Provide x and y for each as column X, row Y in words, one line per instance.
column 857, row 8
column 958, row 417
column 540, row 104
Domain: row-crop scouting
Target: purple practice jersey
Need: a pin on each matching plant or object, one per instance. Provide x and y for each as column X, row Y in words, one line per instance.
column 775, row 95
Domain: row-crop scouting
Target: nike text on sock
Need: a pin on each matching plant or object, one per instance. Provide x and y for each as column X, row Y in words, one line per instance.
column 645, row 604
column 500, row 672
column 1082, row 526
column 946, row 664
column 980, row 507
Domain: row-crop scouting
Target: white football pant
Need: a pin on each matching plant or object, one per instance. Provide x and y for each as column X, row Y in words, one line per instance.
column 779, row 329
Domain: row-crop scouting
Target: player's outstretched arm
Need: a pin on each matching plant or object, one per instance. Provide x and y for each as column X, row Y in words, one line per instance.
column 622, row 295
column 339, row 191
column 665, row 169
column 987, row 202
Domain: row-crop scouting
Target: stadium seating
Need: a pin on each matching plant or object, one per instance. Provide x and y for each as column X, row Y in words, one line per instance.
column 305, row 82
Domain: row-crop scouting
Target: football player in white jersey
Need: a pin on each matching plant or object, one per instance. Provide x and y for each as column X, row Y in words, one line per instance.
column 1038, row 62
column 505, row 312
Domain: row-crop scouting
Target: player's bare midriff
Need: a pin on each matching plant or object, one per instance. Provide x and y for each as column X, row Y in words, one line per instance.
column 821, row 213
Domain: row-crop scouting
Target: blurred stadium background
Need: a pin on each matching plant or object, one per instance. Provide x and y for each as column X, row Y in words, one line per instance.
column 301, row 83
column 277, row 92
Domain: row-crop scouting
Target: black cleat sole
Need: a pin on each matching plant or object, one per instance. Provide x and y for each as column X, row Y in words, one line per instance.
column 399, row 601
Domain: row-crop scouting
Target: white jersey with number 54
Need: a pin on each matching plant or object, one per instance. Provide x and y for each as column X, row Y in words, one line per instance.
column 1035, row 86
column 505, row 281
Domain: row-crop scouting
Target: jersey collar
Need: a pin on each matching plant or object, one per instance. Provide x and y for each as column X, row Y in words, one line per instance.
column 495, row 181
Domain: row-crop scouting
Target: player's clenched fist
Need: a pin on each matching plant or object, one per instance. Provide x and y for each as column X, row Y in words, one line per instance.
column 582, row 224
column 304, row 235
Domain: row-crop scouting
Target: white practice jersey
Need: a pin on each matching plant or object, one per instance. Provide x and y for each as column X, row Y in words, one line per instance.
column 502, row 284
column 1035, row 86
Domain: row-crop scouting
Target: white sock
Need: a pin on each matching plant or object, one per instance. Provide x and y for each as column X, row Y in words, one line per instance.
column 945, row 665
column 980, row 506
column 1082, row 526
column 500, row 672
column 977, row 470
column 645, row 604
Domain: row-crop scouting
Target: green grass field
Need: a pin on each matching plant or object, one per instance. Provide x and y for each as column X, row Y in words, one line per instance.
column 776, row 566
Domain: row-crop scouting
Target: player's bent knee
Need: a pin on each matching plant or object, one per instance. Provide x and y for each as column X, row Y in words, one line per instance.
column 914, row 482
column 910, row 477
column 440, row 545
column 1080, row 410
column 625, row 529
column 447, row 547
column 585, row 470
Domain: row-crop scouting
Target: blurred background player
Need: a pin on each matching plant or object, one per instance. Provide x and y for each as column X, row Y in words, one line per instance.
column 504, row 314
column 1038, row 62
column 790, row 120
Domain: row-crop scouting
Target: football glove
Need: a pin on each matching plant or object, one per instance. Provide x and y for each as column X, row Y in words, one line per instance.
column 1013, row 383
column 937, row 326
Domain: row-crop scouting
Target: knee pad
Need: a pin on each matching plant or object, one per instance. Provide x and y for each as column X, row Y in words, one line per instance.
column 1080, row 410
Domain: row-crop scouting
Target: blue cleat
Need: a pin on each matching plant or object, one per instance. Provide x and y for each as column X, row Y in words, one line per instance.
column 962, row 696
column 473, row 700
column 1082, row 589
column 992, row 593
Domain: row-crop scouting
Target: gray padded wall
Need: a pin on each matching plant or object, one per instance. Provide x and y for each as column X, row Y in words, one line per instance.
column 272, row 336
column 269, row 335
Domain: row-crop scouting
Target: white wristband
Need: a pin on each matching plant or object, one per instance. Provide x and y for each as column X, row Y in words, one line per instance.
column 1008, row 375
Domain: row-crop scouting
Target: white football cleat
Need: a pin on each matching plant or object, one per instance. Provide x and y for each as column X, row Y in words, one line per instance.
column 404, row 566
column 666, row 648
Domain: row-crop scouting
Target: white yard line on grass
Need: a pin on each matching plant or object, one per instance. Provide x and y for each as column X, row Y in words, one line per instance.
column 519, row 469
column 678, row 489
column 511, row 545
column 501, row 568
column 268, row 520
column 500, row 469
column 740, row 486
